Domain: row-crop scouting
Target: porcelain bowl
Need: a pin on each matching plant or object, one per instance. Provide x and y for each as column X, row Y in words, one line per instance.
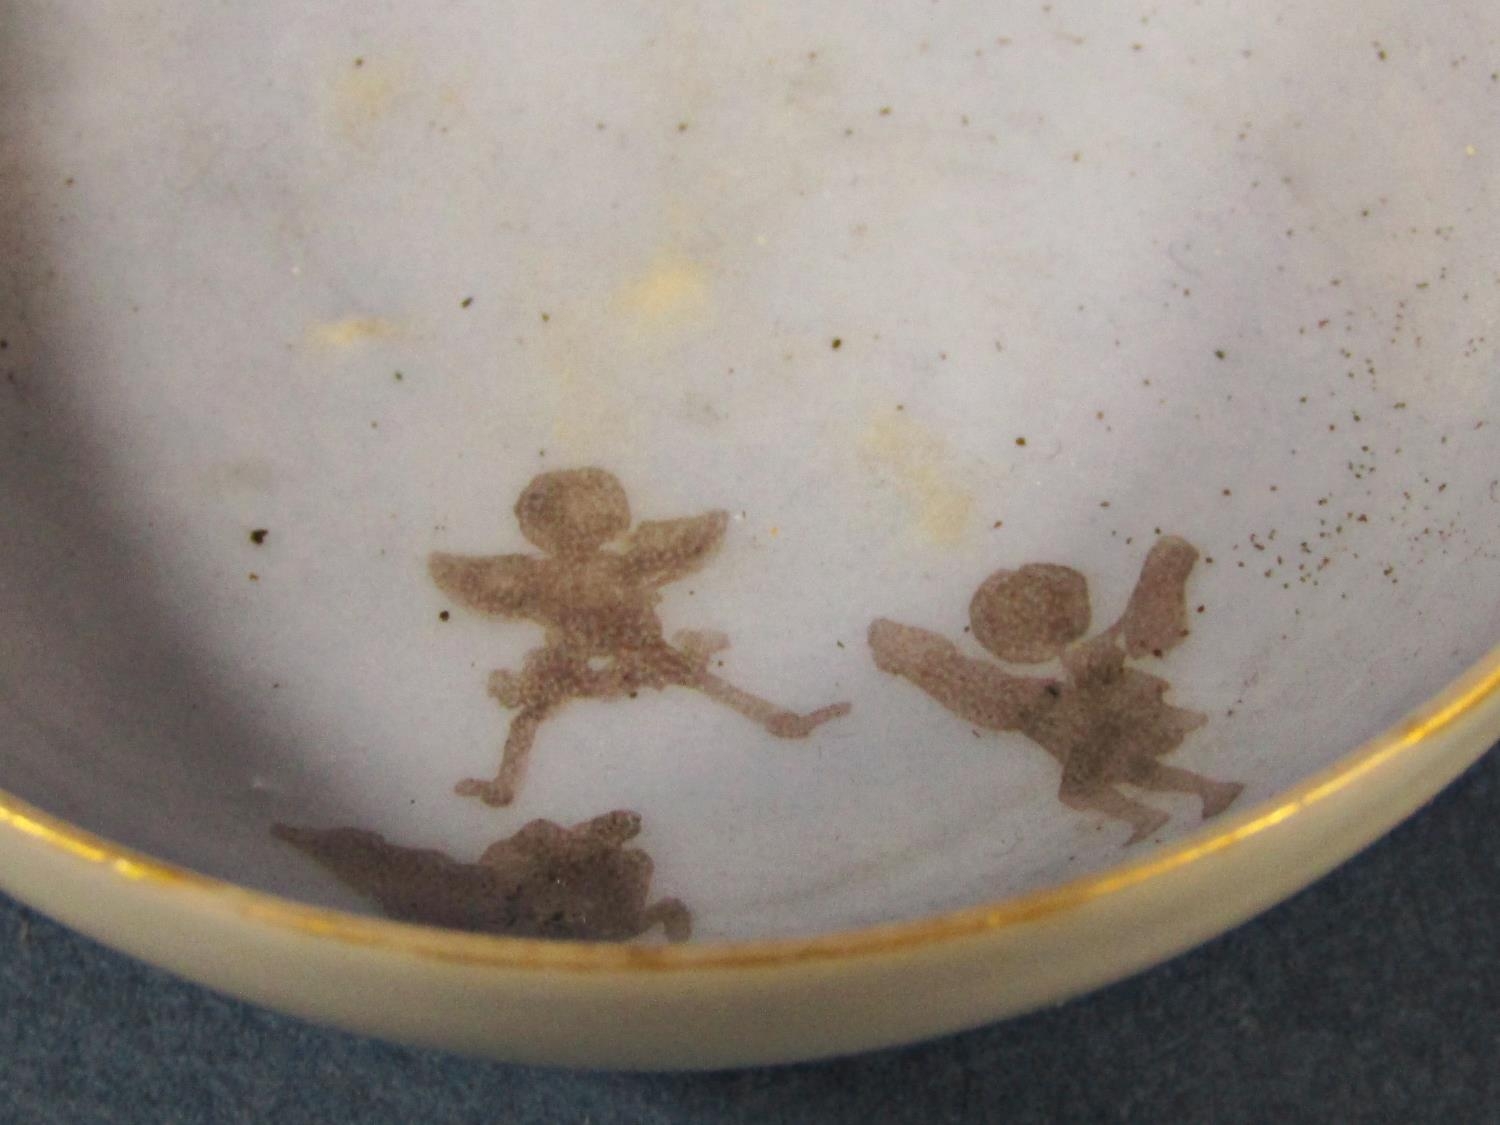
column 682, row 535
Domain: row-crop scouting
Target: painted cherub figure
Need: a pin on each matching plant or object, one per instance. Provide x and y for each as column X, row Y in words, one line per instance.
column 579, row 883
column 597, row 603
column 1105, row 722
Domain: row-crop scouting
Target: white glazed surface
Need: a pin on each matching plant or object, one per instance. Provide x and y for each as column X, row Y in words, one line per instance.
column 224, row 232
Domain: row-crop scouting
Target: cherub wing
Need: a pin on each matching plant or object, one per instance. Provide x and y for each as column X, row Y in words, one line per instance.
column 1155, row 621
column 410, row 884
column 664, row 550
column 502, row 585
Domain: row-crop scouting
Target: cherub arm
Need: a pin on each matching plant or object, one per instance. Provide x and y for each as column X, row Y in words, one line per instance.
column 1155, row 621
column 664, row 550
column 503, row 585
column 977, row 691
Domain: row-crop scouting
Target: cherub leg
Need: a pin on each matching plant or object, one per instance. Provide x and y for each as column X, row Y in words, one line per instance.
column 781, row 723
column 518, row 742
column 674, row 917
column 1215, row 795
column 1099, row 797
column 688, row 667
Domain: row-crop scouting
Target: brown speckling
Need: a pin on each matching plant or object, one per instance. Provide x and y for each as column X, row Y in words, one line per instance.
column 466, row 302
column 595, row 590
column 258, row 536
column 1106, row 723
column 546, row 881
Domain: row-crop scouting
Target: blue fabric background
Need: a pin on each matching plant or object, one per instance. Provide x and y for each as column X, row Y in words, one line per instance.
column 1375, row 996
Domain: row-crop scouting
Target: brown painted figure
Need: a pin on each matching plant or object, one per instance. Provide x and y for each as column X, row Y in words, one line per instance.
column 595, row 591
column 547, row 881
column 1105, row 722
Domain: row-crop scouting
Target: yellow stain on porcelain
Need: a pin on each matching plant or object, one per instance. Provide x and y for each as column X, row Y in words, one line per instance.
column 348, row 332
column 915, row 459
column 673, row 295
column 597, row 347
column 362, row 95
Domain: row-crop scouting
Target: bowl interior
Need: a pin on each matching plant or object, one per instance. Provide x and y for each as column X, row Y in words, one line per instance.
column 1101, row 405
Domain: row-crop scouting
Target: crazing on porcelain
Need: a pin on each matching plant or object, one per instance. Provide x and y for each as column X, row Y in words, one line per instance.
column 1105, row 722
column 597, row 604
column 546, row 881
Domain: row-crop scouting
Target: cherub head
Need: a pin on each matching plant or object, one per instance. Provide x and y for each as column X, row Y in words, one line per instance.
column 573, row 511
column 1029, row 616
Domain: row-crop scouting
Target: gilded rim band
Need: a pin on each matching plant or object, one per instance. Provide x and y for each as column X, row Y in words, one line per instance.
column 1479, row 685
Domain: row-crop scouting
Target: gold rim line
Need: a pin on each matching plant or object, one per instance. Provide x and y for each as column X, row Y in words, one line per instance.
column 1479, row 685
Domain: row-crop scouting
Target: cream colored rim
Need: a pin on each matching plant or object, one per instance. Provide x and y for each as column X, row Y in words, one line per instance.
column 1430, row 723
